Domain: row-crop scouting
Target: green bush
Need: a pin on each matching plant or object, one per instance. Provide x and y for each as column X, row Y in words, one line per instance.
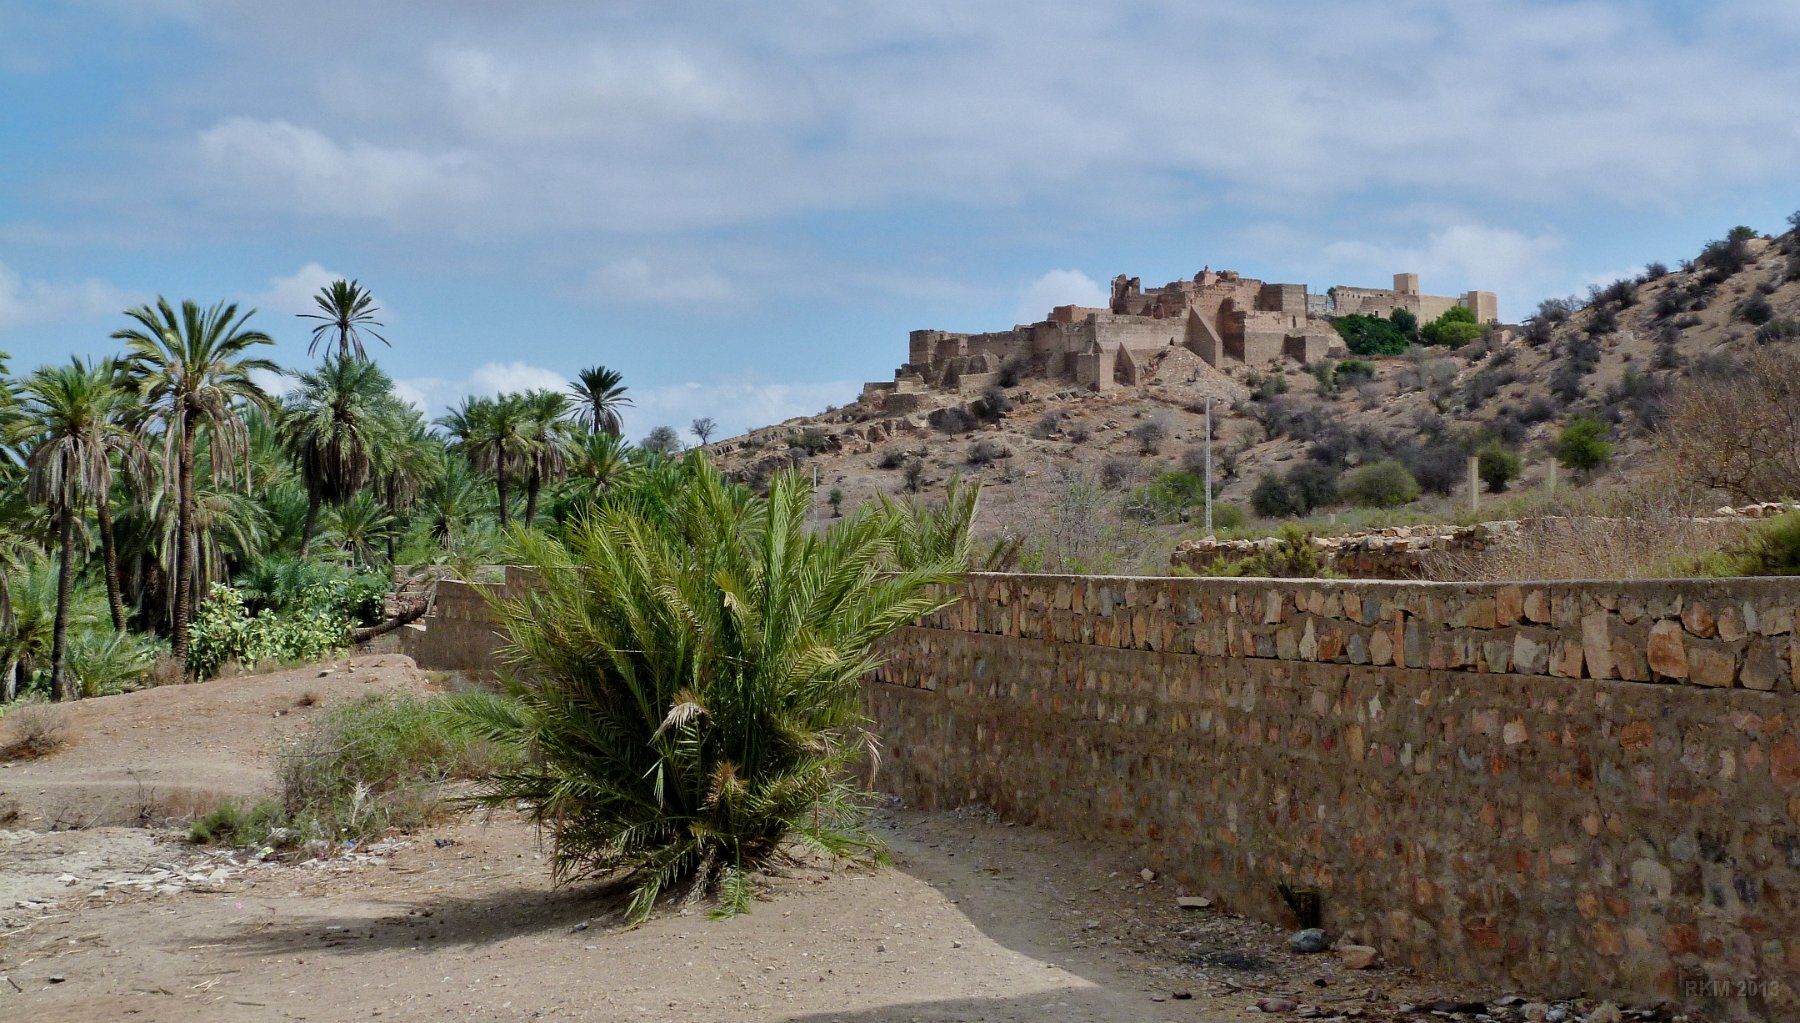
column 1168, row 498
column 1497, row 467
column 1583, row 446
column 1457, row 327
column 1384, row 484
column 284, row 583
column 690, row 683
column 1372, row 335
column 1773, row 548
column 1306, row 486
column 1292, row 556
column 225, row 631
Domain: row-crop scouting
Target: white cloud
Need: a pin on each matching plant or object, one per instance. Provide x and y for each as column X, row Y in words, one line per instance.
column 634, row 279
column 737, row 407
column 276, row 385
column 1058, row 287
column 26, row 302
column 293, row 294
column 277, row 161
column 433, row 395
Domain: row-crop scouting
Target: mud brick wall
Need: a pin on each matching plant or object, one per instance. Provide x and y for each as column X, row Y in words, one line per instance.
column 459, row 633
column 1555, row 787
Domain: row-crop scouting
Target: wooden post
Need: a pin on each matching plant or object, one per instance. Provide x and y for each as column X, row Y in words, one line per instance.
column 1474, row 484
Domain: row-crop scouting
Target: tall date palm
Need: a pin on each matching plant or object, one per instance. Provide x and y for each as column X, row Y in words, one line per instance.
column 72, row 419
column 601, row 396
column 335, row 427
column 192, row 369
column 346, row 311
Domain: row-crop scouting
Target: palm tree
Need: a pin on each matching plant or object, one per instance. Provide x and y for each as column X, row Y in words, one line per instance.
column 546, row 454
column 346, row 309
column 599, row 392
column 72, row 420
column 360, row 528
column 598, row 462
column 335, row 427
column 490, row 433
column 33, row 594
column 192, row 372
column 690, row 693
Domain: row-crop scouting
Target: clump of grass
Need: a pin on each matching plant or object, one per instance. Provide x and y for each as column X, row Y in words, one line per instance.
column 361, row 768
column 1773, row 548
column 33, row 729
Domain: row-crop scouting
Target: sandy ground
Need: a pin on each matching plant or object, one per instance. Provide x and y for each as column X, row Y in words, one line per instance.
column 973, row 920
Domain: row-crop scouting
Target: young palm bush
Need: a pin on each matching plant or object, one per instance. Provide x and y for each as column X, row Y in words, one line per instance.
column 688, row 681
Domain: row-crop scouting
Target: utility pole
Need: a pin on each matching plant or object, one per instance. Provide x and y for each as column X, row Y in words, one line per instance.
column 1209, row 525
column 1474, row 484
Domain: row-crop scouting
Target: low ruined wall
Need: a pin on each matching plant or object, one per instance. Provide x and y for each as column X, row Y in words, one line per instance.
column 458, row 634
column 1560, row 787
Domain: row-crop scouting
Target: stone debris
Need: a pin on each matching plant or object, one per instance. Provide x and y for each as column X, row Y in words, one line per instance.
column 1308, row 941
column 1358, row 957
column 1192, row 902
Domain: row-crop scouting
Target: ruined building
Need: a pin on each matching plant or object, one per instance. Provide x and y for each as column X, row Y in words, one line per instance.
column 1221, row 316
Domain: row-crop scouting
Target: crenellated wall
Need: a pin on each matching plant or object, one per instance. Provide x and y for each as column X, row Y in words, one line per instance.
column 1561, row 787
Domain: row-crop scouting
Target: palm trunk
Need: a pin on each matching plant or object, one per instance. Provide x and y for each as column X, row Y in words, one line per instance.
column 312, row 522
column 500, row 484
column 65, row 587
column 9, row 682
column 532, row 487
column 110, row 551
column 184, row 559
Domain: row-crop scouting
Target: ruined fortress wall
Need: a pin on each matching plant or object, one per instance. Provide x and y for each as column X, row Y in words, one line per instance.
column 1556, row 787
column 1137, row 333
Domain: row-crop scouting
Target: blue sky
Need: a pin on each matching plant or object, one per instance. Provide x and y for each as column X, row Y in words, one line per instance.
column 746, row 207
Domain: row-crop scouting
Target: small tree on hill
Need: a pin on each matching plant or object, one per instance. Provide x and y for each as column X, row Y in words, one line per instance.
column 1385, row 484
column 703, row 428
column 662, row 441
column 1583, row 446
column 1497, row 467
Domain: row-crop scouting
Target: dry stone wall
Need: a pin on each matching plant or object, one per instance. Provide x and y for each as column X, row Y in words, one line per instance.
column 1554, row 787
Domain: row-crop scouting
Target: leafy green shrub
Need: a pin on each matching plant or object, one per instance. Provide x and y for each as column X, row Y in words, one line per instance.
column 1583, row 446
column 1372, row 335
column 1292, row 556
column 224, row 631
column 1497, row 467
column 1457, row 327
column 1227, row 515
column 691, row 683
column 283, row 583
column 230, row 823
column 1384, row 484
column 1354, row 370
column 1306, row 486
column 1773, row 548
column 1167, row 498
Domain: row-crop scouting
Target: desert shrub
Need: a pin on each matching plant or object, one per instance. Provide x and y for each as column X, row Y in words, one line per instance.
column 1227, row 515
column 1721, row 259
column 1169, row 498
column 813, row 440
column 836, row 500
column 692, row 683
column 951, row 419
column 1079, row 433
column 1047, row 426
column 231, row 823
column 1602, row 320
column 1537, row 410
column 225, row 631
column 1670, row 301
column 1437, row 468
column 1755, row 310
column 1293, row 555
column 1262, row 388
column 1272, row 498
column 1792, row 273
column 1012, row 370
column 1455, row 328
column 1497, row 467
column 993, row 403
column 1621, row 293
column 1353, row 370
column 914, row 475
column 986, row 450
column 1777, row 330
column 1772, row 548
column 1316, row 485
column 1372, row 335
column 376, row 763
column 1654, row 272
column 1582, row 445
column 1193, row 460
column 32, row 728
column 891, row 458
column 1150, row 435
column 1116, row 473
column 1385, row 484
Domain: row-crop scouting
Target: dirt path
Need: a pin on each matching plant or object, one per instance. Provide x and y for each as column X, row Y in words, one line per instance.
column 974, row 920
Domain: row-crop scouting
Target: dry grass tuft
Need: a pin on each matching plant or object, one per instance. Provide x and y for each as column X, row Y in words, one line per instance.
column 33, row 730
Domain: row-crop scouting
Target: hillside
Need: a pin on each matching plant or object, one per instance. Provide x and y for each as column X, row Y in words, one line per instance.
column 1067, row 469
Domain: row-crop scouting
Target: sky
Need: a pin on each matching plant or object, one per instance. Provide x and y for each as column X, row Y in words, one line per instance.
column 745, row 207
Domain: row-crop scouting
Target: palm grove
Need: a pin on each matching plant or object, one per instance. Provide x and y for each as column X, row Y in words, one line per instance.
column 159, row 510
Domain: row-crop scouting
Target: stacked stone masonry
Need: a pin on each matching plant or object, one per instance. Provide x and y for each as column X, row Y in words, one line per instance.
column 1549, row 787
